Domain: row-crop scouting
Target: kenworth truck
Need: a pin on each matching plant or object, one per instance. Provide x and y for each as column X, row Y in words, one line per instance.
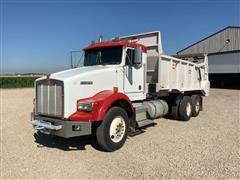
column 122, row 86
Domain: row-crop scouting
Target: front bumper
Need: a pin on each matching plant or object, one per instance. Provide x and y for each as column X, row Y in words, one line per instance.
column 59, row 127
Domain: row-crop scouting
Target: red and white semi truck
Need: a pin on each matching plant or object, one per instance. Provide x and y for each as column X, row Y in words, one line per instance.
column 123, row 85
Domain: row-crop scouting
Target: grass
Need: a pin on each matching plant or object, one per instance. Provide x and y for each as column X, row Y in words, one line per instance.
column 17, row 82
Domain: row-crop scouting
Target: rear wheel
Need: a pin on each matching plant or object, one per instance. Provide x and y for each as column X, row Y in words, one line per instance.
column 112, row 133
column 175, row 107
column 196, row 103
column 185, row 108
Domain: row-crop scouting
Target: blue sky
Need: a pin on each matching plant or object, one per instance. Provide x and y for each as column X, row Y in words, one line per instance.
column 37, row 36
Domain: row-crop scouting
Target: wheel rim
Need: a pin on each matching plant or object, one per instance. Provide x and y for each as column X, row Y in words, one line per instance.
column 197, row 106
column 188, row 109
column 117, row 129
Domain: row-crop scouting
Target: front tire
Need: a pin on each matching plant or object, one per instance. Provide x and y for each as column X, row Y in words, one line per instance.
column 112, row 133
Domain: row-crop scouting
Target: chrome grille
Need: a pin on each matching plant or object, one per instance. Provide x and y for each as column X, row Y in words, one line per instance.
column 49, row 97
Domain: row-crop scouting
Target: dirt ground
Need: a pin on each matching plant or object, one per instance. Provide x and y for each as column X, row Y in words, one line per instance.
column 204, row 147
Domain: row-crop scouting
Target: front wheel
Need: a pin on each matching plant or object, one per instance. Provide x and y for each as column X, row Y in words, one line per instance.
column 112, row 133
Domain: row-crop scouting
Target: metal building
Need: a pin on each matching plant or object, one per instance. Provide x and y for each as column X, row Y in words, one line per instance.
column 223, row 49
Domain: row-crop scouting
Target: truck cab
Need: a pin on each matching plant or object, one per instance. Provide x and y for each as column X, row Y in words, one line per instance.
column 128, row 59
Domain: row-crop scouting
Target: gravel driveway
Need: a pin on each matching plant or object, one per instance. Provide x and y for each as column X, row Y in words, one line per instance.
column 204, row 147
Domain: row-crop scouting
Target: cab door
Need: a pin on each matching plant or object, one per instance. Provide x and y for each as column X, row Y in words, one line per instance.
column 133, row 75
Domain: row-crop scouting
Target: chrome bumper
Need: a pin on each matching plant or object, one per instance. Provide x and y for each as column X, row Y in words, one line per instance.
column 59, row 127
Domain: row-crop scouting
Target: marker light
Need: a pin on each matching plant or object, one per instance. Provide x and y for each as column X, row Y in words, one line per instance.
column 115, row 89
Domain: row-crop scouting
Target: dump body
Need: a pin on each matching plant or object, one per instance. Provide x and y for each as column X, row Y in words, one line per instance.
column 177, row 75
column 167, row 73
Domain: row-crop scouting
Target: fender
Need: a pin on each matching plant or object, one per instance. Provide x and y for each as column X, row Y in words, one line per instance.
column 102, row 101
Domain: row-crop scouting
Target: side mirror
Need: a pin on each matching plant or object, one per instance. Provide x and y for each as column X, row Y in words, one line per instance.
column 138, row 56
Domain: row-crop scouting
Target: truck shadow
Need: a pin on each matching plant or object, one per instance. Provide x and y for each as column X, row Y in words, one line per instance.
column 71, row 144
column 75, row 143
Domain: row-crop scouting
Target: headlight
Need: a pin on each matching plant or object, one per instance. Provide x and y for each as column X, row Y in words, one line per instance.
column 84, row 106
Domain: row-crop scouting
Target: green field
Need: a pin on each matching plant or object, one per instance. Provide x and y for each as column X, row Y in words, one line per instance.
column 17, row 81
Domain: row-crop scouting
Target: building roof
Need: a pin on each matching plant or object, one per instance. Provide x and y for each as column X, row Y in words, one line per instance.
column 225, row 40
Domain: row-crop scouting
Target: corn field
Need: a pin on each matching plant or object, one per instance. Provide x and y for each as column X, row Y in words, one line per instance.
column 17, row 82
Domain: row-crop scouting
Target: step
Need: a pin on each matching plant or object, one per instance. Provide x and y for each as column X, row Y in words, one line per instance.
column 145, row 122
column 139, row 107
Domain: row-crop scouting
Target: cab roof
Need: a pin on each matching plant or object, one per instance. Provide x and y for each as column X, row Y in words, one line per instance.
column 115, row 43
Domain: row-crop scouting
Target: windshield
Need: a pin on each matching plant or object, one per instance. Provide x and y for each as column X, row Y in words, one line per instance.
column 103, row 56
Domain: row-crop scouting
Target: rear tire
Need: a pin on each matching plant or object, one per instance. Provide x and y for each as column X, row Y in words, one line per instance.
column 185, row 108
column 196, row 103
column 175, row 107
column 112, row 133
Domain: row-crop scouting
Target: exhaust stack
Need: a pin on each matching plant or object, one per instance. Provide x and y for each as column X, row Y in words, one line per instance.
column 100, row 39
